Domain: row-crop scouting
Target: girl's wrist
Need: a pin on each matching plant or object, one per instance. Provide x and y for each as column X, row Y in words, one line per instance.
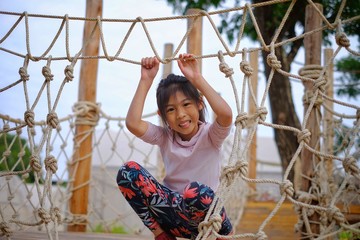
column 197, row 81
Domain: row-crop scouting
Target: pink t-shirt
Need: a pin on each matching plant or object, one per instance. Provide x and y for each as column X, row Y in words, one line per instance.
column 189, row 161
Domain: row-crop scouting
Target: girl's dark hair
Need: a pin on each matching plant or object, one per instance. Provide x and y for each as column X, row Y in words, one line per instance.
column 169, row 86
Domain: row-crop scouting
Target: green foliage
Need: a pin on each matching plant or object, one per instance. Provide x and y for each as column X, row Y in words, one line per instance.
column 347, row 235
column 231, row 21
column 350, row 77
column 15, row 157
column 351, row 9
column 118, row 230
column 342, row 140
column 181, row 6
column 113, row 229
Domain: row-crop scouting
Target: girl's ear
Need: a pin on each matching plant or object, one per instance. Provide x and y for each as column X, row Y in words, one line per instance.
column 201, row 103
column 158, row 112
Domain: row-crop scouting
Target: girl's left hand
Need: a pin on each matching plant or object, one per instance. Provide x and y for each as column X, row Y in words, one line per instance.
column 189, row 66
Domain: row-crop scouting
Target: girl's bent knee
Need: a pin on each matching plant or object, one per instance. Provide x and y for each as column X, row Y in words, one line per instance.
column 124, row 169
column 130, row 164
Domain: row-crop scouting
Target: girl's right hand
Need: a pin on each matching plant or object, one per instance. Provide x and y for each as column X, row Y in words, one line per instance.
column 149, row 68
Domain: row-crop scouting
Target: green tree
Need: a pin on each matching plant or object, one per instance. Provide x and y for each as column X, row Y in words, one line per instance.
column 349, row 83
column 268, row 19
column 15, row 155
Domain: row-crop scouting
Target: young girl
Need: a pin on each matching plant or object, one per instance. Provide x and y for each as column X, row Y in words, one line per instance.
column 190, row 149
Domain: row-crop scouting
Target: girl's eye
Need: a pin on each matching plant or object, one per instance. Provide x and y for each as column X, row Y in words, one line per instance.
column 187, row 104
column 169, row 110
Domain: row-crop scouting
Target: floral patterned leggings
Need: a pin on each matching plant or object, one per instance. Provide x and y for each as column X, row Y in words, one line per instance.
column 158, row 206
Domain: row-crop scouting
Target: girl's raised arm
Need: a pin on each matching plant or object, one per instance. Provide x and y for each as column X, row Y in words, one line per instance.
column 189, row 66
column 134, row 121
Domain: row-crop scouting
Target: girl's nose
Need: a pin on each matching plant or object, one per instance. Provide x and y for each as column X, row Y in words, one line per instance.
column 180, row 113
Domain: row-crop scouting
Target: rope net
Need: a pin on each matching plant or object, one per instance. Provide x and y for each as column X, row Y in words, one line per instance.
column 39, row 149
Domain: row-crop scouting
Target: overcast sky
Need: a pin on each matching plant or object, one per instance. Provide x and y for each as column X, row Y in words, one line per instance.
column 117, row 80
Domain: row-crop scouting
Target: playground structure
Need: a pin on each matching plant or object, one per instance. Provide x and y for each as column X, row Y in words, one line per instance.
column 55, row 201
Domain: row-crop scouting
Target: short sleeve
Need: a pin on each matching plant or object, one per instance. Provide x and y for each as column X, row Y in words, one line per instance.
column 154, row 135
column 218, row 133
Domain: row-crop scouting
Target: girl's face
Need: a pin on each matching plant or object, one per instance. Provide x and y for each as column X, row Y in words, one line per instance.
column 182, row 115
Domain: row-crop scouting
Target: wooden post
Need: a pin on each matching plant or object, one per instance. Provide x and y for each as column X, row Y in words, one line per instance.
column 168, row 51
column 194, row 41
column 81, row 167
column 312, row 44
column 328, row 116
column 167, row 69
column 254, row 62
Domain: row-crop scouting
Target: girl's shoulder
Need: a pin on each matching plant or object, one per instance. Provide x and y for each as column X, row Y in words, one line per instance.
column 157, row 135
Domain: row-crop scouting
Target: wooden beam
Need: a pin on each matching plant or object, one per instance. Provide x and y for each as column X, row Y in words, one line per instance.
column 194, row 41
column 254, row 62
column 312, row 44
column 81, row 167
column 328, row 116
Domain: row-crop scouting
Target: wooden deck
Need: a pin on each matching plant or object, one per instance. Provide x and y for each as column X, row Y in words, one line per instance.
column 70, row 236
column 281, row 226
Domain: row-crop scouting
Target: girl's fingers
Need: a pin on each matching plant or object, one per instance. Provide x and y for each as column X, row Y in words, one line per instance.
column 148, row 62
column 186, row 57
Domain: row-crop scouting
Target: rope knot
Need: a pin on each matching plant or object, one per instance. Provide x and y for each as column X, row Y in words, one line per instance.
column 6, row 153
column 215, row 221
column 261, row 235
column 242, row 119
column 350, row 166
column 224, row 68
column 311, row 71
column 272, row 61
column 44, row 215
column 261, row 112
column 318, row 101
column 6, row 127
column 10, row 197
column 5, row 229
column 52, row 119
column 24, row 74
column 309, row 96
column 246, row 68
column 335, row 214
column 304, row 135
column 342, row 40
column 69, row 73
column 55, row 213
column 19, row 131
column 51, row 164
column 35, row 163
column 230, row 171
column 287, row 188
column 46, row 71
column 29, row 117
column 79, row 219
column 87, row 113
column 320, row 84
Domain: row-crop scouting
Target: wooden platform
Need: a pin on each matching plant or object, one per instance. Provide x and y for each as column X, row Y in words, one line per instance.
column 76, row 236
column 71, row 236
column 281, row 226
